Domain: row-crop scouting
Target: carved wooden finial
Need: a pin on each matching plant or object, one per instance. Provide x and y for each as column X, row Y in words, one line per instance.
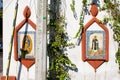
column 27, row 12
column 94, row 10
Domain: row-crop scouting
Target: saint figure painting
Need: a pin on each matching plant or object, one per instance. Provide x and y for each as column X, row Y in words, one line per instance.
column 95, row 44
column 26, row 42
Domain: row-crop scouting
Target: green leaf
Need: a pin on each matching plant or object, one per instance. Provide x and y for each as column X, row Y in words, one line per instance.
column 84, row 2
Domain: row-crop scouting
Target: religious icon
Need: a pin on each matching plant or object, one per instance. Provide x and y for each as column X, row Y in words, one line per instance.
column 24, row 40
column 95, row 44
column 26, row 44
column 95, row 41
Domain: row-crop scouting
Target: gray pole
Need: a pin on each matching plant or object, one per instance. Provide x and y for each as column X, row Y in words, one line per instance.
column 41, row 62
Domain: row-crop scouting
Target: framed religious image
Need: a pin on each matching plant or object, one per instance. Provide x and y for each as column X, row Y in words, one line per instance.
column 95, row 41
column 25, row 40
column 95, row 44
column 26, row 44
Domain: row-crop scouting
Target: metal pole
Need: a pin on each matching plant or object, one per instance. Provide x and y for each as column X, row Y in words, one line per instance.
column 41, row 62
column 11, row 42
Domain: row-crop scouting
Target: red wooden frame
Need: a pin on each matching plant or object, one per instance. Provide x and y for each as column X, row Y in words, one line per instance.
column 16, row 35
column 84, row 39
column 26, row 62
column 95, row 63
column 9, row 78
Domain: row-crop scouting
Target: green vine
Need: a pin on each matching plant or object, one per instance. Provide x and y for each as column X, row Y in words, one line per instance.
column 72, row 5
column 117, row 55
column 81, row 25
column 79, row 32
column 113, row 8
column 84, row 2
column 60, row 64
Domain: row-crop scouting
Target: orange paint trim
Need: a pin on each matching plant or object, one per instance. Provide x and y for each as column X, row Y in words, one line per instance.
column 94, row 10
column 95, row 64
column 84, row 40
column 9, row 78
column 26, row 62
column 16, row 39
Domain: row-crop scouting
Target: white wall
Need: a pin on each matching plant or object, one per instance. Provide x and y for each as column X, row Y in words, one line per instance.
column 107, row 71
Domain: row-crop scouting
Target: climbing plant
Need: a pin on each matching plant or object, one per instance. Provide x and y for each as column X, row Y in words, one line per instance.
column 81, row 20
column 113, row 8
column 72, row 5
column 59, row 64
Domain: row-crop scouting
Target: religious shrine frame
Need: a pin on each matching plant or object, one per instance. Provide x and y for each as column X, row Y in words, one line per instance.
column 27, row 62
column 95, row 60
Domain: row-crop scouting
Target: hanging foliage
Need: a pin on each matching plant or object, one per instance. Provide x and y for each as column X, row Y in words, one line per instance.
column 113, row 8
column 60, row 64
column 72, row 5
column 81, row 21
column 117, row 55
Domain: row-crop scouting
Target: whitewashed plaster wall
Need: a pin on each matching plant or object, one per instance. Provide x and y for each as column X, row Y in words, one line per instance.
column 107, row 71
